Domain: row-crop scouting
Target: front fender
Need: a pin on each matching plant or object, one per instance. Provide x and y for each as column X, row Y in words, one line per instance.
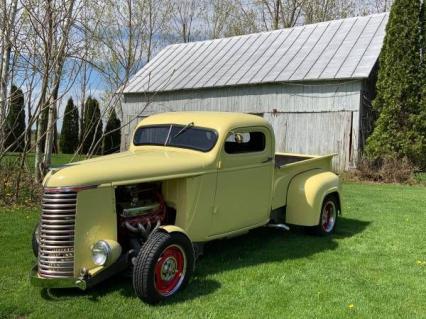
column 174, row 229
column 305, row 195
column 95, row 219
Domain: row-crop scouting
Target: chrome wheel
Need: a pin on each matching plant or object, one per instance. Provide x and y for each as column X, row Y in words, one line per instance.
column 328, row 216
column 170, row 270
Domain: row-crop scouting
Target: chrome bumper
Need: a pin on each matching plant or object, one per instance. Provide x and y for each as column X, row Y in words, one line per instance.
column 120, row 265
column 38, row 281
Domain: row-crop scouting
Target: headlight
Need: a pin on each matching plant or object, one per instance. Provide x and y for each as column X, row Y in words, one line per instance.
column 101, row 252
column 105, row 252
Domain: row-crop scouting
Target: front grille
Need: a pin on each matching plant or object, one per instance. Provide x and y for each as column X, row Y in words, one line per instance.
column 56, row 249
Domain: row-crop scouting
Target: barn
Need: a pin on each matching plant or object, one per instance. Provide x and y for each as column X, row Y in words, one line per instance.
column 313, row 83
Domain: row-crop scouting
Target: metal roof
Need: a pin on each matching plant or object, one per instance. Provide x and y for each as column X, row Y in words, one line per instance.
column 339, row 49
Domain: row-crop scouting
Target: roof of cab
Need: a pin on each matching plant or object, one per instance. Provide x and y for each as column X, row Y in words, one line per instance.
column 220, row 121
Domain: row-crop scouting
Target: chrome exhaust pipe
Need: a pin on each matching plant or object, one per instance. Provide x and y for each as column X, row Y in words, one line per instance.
column 279, row 226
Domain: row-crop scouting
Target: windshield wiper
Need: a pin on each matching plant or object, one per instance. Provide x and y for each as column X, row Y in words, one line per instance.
column 187, row 126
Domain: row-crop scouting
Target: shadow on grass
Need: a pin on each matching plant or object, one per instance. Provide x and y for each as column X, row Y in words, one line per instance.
column 198, row 287
column 262, row 245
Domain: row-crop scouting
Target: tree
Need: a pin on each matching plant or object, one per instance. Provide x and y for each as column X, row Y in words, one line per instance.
column 52, row 23
column 126, row 34
column 15, row 121
column 112, row 135
column 69, row 134
column 422, row 116
column 423, row 42
column 382, row 5
column 278, row 14
column 92, row 127
column 8, row 13
column 183, row 16
column 324, row 10
column 216, row 16
column 397, row 133
column 246, row 22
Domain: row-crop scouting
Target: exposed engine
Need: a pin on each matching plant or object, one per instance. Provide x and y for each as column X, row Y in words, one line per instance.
column 141, row 209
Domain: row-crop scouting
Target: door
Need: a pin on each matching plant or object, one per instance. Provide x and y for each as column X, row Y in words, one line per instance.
column 244, row 182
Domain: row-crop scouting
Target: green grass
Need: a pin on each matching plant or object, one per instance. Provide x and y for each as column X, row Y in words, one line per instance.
column 420, row 178
column 375, row 262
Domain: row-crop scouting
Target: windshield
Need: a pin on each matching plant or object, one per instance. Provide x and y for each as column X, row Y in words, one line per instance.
column 184, row 136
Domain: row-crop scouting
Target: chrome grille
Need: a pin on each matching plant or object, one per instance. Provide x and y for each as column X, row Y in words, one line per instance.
column 56, row 249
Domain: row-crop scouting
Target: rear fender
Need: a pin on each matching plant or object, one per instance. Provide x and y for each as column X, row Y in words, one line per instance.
column 306, row 193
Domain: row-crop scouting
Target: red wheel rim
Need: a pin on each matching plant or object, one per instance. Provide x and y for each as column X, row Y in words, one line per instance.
column 170, row 270
column 328, row 216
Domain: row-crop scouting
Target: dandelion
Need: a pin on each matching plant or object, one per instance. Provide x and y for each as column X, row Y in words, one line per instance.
column 351, row 306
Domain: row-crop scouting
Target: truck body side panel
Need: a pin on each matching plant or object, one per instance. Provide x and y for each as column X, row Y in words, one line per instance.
column 193, row 199
column 306, row 193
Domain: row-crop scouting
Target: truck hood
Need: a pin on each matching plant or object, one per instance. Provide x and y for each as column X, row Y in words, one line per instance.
column 129, row 167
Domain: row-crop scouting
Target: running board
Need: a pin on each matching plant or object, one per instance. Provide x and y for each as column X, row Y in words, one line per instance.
column 279, row 226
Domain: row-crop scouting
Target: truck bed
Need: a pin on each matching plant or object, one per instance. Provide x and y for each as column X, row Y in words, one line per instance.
column 284, row 159
column 288, row 165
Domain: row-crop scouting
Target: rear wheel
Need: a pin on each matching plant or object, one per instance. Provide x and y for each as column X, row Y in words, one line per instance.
column 163, row 266
column 328, row 216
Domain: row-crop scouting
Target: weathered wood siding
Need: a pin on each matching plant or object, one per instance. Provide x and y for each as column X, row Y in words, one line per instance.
column 318, row 118
column 317, row 133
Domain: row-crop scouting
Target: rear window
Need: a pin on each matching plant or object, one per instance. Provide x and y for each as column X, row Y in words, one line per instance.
column 196, row 138
column 245, row 142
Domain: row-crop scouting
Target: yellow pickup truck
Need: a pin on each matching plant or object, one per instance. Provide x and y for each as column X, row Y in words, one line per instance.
column 187, row 178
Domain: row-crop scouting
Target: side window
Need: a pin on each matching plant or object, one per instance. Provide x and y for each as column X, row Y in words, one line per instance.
column 245, row 142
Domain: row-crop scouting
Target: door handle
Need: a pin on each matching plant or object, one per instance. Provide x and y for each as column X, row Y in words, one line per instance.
column 269, row 159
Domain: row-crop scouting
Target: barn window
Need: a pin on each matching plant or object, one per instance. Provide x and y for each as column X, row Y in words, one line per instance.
column 245, row 142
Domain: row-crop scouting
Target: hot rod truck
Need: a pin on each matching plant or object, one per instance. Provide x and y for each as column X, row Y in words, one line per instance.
column 187, row 178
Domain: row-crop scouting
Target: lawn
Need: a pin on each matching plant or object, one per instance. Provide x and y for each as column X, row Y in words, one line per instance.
column 373, row 267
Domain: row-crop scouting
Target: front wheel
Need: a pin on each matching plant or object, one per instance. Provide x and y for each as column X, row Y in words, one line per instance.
column 35, row 241
column 328, row 216
column 163, row 266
